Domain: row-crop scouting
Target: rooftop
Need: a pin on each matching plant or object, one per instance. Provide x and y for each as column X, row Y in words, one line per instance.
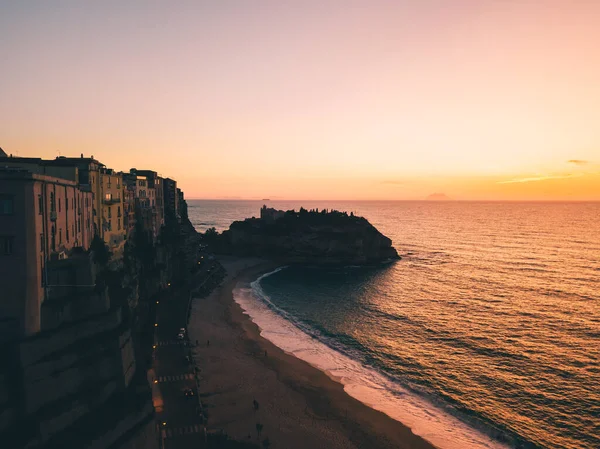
column 19, row 173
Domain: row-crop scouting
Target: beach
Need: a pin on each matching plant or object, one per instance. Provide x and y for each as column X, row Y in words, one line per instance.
column 298, row 405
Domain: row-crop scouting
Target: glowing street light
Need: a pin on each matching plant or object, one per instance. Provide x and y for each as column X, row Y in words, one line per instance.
column 155, row 324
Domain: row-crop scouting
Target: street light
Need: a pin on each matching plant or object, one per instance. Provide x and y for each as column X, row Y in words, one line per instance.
column 155, row 324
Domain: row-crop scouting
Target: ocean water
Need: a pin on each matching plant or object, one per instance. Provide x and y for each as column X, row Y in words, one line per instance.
column 485, row 335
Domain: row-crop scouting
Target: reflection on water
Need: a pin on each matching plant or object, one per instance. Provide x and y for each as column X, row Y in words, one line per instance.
column 494, row 309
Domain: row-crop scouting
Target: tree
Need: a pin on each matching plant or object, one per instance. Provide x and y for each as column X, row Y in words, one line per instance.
column 100, row 251
column 210, row 236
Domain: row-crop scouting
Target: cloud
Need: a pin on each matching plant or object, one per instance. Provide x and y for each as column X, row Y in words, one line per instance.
column 578, row 162
column 541, row 178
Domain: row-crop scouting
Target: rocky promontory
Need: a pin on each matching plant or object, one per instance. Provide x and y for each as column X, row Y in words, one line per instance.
column 317, row 237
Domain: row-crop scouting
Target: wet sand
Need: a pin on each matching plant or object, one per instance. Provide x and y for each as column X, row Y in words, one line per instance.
column 299, row 405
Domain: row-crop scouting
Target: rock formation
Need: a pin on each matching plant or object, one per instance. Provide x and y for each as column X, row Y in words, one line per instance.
column 321, row 237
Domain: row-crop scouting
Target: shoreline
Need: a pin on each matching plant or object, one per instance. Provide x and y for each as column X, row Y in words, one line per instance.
column 299, row 405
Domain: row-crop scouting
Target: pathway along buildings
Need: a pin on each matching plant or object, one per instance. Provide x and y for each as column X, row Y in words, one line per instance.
column 69, row 367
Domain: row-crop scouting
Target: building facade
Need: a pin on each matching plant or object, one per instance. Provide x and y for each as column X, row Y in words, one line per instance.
column 129, row 188
column 171, row 199
column 149, row 197
column 89, row 178
column 114, row 232
column 42, row 218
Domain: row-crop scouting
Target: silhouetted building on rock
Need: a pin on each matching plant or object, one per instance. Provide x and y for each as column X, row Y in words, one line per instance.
column 270, row 215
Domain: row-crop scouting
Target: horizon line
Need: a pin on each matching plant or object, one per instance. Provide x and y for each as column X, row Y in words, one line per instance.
column 424, row 200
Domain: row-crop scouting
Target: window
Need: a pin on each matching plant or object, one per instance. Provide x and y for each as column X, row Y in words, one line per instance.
column 59, row 204
column 40, row 205
column 79, row 225
column 42, row 270
column 7, row 206
column 109, row 212
column 60, row 235
column 108, row 196
column 118, row 211
column 67, row 230
column 52, row 202
column 118, row 224
column 73, row 229
column 41, row 242
column 6, row 245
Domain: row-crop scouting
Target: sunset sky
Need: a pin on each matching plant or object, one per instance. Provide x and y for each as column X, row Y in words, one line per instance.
column 478, row 99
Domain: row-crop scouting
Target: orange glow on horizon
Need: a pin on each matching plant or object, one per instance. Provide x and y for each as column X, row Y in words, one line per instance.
column 387, row 100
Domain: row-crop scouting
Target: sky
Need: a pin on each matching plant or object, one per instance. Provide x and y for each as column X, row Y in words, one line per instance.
column 377, row 99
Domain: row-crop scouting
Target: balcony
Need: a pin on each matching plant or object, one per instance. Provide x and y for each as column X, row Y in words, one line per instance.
column 112, row 200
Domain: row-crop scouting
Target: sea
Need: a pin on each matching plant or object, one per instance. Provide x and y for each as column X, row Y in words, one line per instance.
column 486, row 334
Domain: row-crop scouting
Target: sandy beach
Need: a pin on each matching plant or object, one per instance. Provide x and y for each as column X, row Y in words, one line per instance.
column 299, row 406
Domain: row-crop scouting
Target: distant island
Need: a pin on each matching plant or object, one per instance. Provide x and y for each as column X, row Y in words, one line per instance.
column 438, row 197
column 326, row 237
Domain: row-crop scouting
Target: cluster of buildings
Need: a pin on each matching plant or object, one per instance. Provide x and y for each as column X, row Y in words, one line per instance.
column 51, row 209
column 68, row 347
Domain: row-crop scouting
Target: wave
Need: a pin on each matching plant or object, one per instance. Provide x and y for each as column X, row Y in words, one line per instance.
column 432, row 420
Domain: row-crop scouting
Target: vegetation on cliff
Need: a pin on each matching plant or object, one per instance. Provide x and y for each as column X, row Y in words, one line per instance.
column 311, row 236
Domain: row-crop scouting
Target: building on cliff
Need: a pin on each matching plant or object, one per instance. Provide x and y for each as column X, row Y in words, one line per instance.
column 113, row 228
column 149, row 198
column 270, row 214
column 42, row 219
column 90, row 175
column 171, row 199
column 68, row 377
column 128, row 205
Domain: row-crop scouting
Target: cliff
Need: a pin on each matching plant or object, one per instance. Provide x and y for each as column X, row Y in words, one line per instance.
column 308, row 237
